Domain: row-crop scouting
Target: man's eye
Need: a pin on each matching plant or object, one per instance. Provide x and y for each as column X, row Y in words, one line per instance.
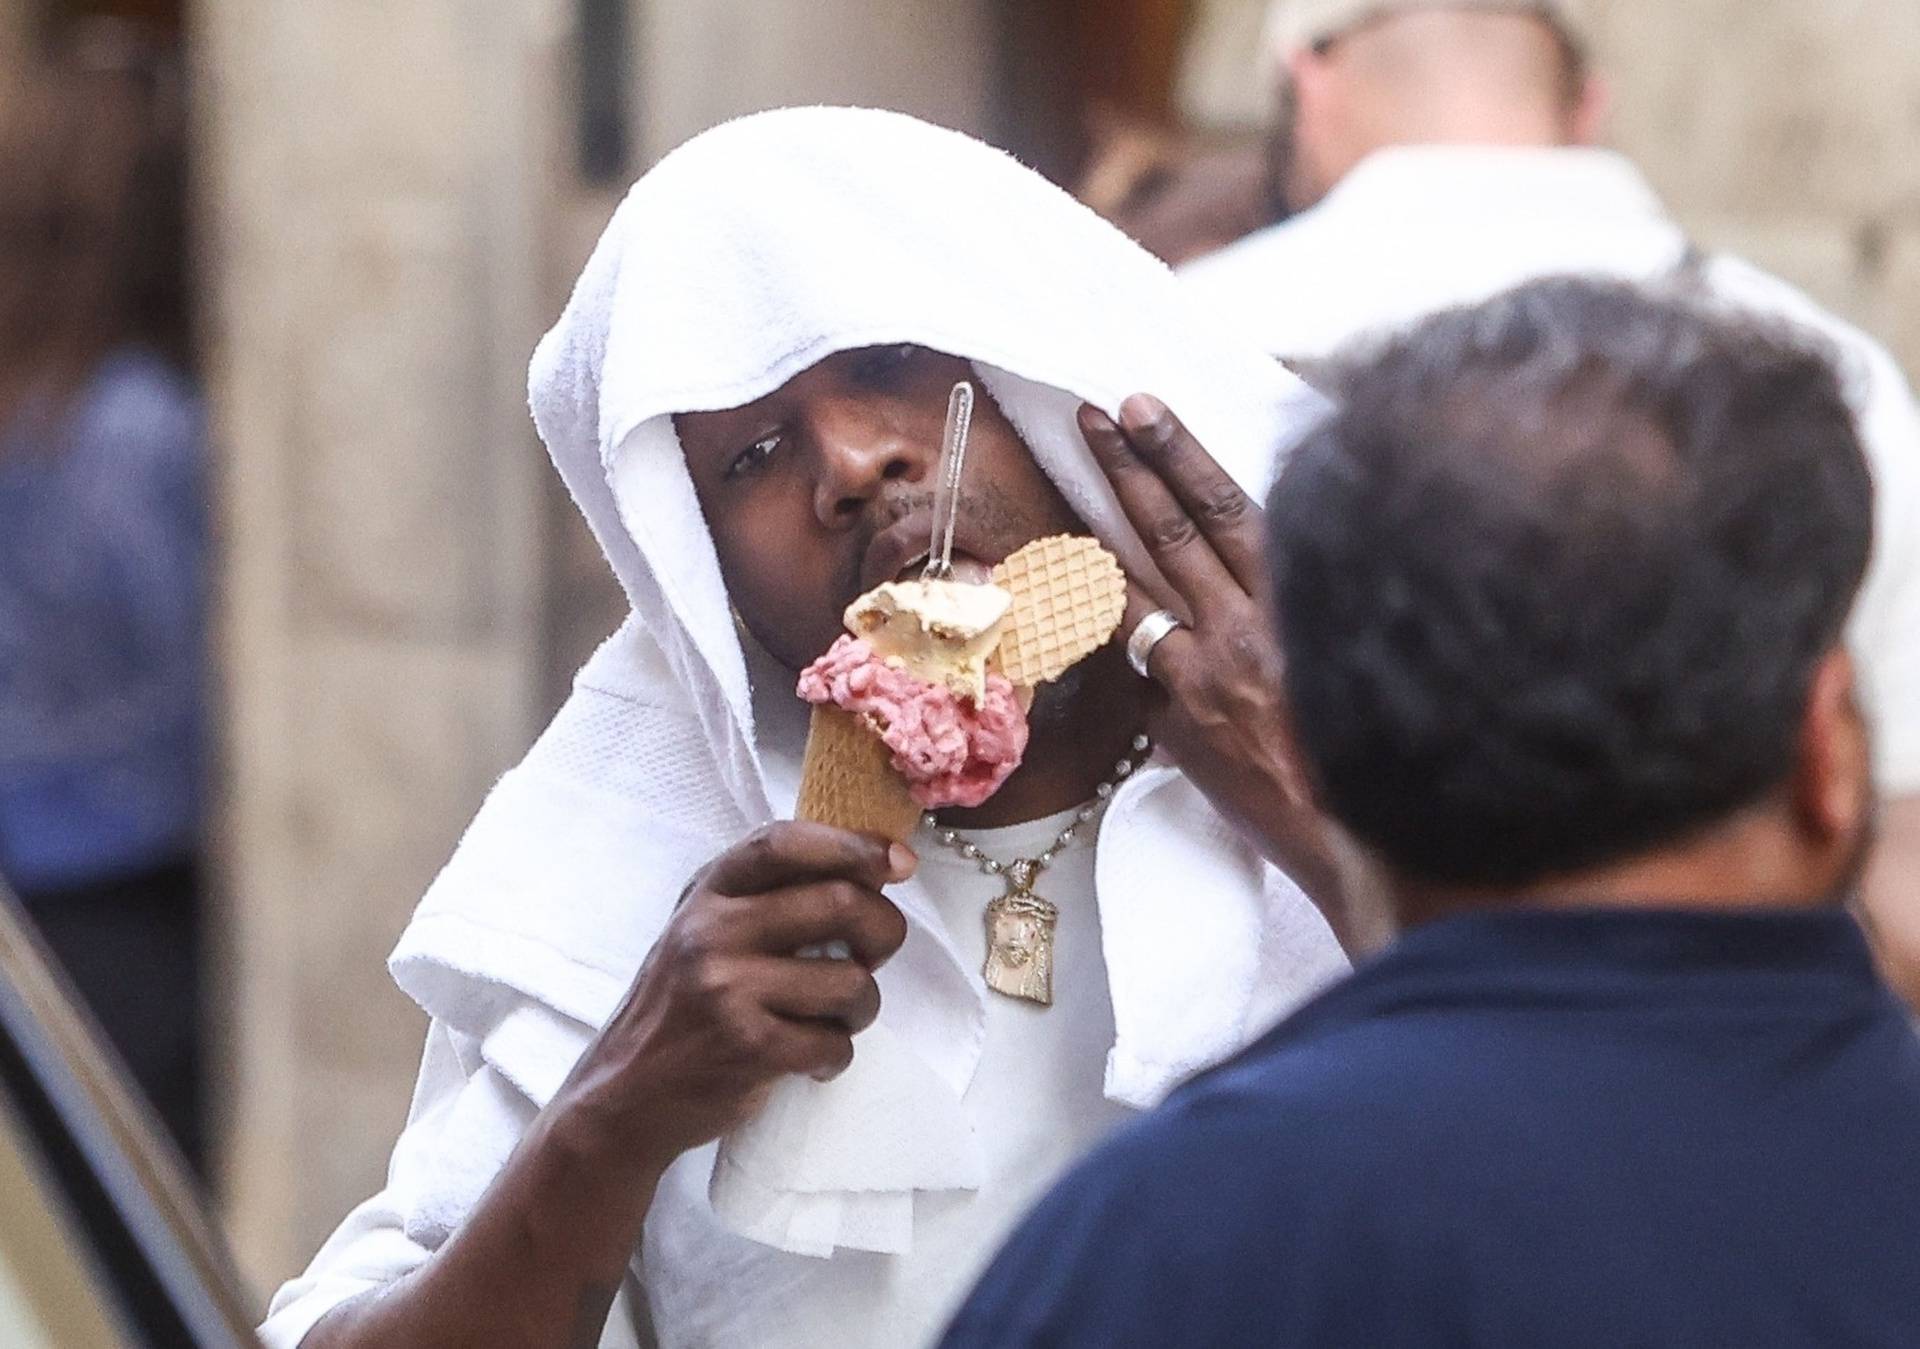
column 882, row 364
column 752, row 458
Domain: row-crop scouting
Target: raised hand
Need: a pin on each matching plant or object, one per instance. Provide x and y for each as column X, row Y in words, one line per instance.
column 1221, row 712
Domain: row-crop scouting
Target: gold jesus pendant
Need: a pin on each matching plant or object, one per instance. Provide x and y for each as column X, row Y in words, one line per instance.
column 1020, row 940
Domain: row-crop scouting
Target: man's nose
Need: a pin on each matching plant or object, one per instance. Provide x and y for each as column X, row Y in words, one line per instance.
column 859, row 449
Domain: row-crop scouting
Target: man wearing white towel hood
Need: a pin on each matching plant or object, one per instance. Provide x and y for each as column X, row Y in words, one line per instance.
column 745, row 396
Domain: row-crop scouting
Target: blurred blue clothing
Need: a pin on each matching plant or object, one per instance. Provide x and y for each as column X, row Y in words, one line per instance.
column 102, row 548
column 1588, row 1130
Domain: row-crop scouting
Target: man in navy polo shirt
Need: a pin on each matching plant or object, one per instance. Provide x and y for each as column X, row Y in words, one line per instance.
column 1560, row 594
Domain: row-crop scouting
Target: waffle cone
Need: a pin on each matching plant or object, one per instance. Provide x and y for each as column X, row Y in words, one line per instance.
column 848, row 780
column 1068, row 595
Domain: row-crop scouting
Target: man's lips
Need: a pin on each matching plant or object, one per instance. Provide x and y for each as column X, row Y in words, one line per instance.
column 900, row 550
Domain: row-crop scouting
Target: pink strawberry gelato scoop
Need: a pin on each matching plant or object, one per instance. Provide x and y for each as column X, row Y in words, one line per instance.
column 952, row 750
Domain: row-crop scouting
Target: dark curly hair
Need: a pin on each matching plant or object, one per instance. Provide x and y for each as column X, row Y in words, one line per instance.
column 1553, row 581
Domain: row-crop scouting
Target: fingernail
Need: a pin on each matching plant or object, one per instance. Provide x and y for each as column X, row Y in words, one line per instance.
column 1144, row 412
column 901, row 862
column 1096, row 424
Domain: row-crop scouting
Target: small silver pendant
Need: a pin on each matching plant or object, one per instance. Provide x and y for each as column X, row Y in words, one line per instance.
column 1020, row 939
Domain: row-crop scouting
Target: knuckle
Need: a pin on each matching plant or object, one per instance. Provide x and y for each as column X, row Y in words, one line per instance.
column 854, row 983
column 1250, row 648
column 681, row 945
column 896, row 925
column 845, row 900
column 837, row 1054
column 697, row 930
column 1225, row 505
column 709, row 975
column 887, row 927
column 1171, row 532
column 750, row 1035
column 865, row 1004
column 763, row 844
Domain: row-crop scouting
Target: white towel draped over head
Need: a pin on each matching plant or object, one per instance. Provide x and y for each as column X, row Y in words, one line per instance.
column 746, row 256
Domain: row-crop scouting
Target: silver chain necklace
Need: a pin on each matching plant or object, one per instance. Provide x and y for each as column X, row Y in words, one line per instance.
column 1020, row 923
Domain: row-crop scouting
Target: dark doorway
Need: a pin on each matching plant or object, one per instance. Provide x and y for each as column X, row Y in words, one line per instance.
column 1065, row 63
column 165, row 16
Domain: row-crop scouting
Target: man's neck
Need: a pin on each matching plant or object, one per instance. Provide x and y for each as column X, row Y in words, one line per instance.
column 1749, row 864
column 1074, row 748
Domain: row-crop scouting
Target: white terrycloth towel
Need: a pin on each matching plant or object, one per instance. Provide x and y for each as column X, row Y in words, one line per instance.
column 746, row 256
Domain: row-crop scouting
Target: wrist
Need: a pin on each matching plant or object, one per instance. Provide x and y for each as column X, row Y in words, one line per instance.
column 584, row 1197
column 584, row 1132
column 1300, row 845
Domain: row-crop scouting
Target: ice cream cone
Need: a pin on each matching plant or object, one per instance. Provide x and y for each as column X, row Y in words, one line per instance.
column 1068, row 595
column 847, row 779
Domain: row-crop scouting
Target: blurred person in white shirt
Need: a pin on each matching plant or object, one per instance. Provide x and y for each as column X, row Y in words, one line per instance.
column 1435, row 154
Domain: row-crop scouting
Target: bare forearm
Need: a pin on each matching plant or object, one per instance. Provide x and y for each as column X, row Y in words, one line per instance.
column 536, row 1265
column 1331, row 875
column 709, row 1024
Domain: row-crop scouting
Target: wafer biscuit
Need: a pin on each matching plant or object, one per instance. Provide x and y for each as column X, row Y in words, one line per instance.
column 1068, row 595
column 847, row 779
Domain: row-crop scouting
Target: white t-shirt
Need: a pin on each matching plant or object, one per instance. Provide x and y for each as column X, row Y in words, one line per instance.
column 1416, row 229
column 1036, row 1104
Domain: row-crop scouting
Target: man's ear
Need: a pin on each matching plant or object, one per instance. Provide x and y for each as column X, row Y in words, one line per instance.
column 1588, row 122
column 1306, row 71
column 1317, row 127
column 1833, row 781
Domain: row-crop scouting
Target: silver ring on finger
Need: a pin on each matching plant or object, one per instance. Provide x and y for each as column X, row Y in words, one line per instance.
column 1152, row 630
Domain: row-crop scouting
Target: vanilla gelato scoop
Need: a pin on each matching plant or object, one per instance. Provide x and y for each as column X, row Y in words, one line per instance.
column 943, row 632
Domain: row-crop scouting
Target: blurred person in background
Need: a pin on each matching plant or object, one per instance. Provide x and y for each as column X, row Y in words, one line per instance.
column 102, row 543
column 1557, row 664
column 1178, row 195
column 1438, row 153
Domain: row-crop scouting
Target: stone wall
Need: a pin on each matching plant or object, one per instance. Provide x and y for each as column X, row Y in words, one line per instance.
column 370, row 219
column 707, row 60
column 1782, row 130
column 1785, row 131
